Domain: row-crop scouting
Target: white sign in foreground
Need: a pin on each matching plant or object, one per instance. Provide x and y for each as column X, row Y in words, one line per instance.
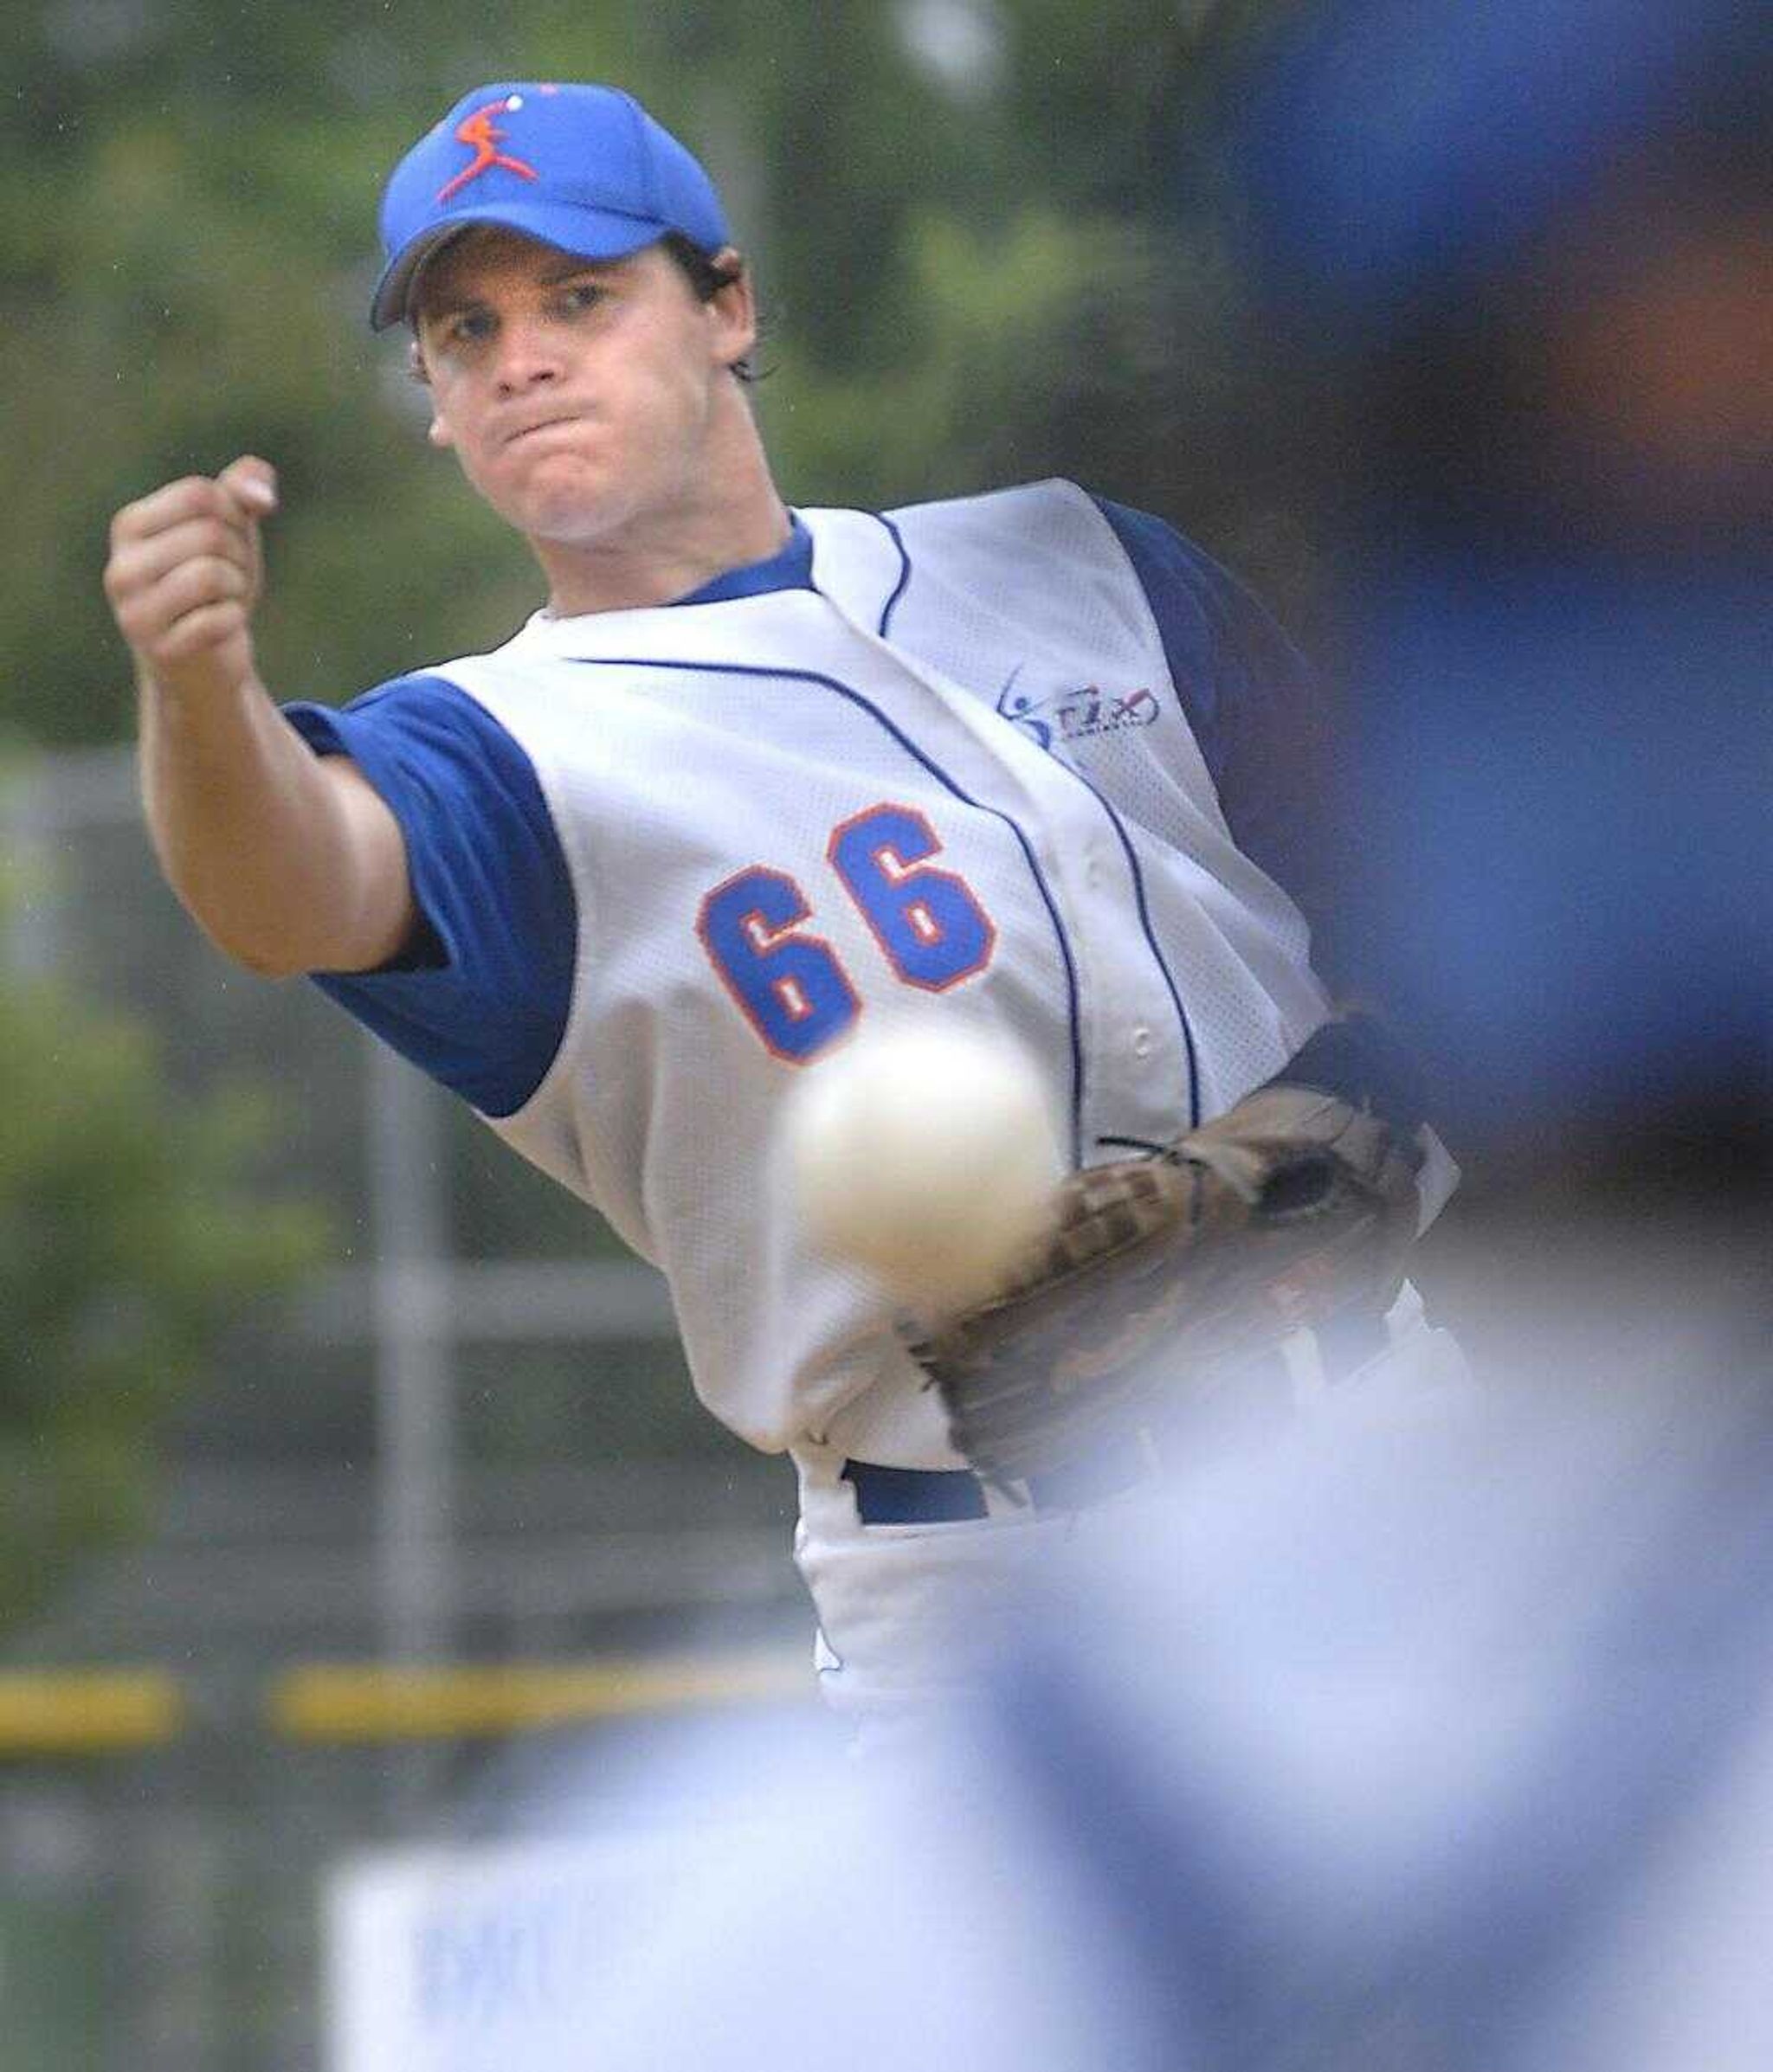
column 487, row 1959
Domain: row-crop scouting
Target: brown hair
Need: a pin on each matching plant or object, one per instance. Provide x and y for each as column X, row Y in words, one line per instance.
column 706, row 276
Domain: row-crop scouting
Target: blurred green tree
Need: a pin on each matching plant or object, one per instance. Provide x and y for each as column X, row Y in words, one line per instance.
column 133, row 1228
column 964, row 213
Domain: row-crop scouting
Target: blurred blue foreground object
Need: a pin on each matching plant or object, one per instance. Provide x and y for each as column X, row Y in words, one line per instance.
column 1437, row 1741
column 1533, row 244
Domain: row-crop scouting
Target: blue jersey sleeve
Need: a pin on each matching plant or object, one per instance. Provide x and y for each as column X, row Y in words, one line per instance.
column 1252, row 702
column 479, row 998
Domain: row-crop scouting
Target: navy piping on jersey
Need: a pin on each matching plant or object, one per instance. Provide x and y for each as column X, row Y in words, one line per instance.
column 1138, row 880
column 855, row 697
column 421, row 1003
column 900, row 587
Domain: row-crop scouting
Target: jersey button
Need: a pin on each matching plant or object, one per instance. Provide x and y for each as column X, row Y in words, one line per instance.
column 1142, row 1043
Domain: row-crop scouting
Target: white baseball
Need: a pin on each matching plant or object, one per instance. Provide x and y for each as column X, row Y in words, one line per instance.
column 929, row 1159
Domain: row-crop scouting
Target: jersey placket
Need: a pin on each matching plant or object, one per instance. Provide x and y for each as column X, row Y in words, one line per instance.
column 1137, row 1070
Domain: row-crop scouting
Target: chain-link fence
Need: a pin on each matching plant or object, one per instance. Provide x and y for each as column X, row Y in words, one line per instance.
column 467, row 1439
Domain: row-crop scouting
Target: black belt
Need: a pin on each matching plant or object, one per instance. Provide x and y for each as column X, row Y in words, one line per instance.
column 887, row 1496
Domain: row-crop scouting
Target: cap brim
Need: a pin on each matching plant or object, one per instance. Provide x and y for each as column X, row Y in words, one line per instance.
column 585, row 233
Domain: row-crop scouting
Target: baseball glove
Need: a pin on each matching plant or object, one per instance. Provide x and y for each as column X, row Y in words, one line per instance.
column 1170, row 1269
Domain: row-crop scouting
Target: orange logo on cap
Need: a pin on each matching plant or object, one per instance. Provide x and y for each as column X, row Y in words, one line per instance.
column 482, row 135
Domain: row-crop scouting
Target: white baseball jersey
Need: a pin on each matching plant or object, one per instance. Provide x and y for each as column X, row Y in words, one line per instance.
column 949, row 780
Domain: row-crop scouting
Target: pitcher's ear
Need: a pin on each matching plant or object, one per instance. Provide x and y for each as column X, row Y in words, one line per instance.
column 437, row 432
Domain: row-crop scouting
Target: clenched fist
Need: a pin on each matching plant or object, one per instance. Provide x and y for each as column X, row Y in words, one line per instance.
column 184, row 575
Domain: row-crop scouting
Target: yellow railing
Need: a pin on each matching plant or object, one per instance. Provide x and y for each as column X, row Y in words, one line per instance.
column 376, row 1702
column 77, row 1712
column 112, row 1712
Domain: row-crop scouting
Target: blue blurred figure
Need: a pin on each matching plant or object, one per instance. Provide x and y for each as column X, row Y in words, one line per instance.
column 1452, row 1749
column 1442, row 1743
column 1532, row 242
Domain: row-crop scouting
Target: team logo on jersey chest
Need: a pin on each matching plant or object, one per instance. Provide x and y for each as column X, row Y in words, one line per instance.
column 1079, row 714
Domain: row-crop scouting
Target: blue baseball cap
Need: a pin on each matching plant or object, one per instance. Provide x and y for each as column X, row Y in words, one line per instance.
column 584, row 168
